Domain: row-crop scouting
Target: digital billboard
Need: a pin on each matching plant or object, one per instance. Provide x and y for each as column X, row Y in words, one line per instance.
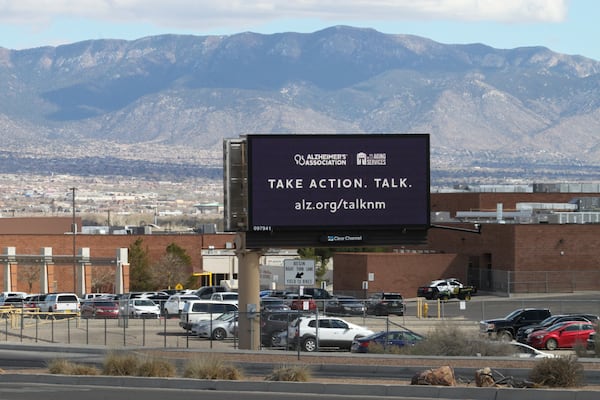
column 338, row 182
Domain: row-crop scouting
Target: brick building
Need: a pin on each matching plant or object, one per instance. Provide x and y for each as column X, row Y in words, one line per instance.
column 501, row 257
column 29, row 247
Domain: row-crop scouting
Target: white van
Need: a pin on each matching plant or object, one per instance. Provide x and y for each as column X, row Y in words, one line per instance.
column 198, row 310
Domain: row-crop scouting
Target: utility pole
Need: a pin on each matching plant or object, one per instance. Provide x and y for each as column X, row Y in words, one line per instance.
column 74, row 233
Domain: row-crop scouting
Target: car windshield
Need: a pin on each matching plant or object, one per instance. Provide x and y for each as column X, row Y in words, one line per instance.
column 513, row 314
column 556, row 326
column 230, row 297
column 144, row 302
column 104, row 303
column 226, row 316
column 549, row 321
column 348, row 301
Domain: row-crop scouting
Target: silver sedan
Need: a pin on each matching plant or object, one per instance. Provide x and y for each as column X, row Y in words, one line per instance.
column 222, row 327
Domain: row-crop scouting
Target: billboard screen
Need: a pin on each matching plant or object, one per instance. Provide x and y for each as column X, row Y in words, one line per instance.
column 344, row 181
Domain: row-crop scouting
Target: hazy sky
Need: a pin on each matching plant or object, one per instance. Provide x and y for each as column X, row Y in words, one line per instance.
column 564, row 26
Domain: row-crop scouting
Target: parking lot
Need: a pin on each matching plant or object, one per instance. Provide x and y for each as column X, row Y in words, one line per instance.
column 166, row 332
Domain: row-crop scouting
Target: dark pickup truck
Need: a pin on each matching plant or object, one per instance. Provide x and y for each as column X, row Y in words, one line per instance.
column 507, row 327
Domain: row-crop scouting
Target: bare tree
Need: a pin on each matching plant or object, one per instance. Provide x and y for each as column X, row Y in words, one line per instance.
column 169, row 270
column 29, row 274
column 103, row 279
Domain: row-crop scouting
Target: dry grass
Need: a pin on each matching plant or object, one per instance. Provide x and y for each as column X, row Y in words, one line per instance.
column 455, row 342
column 211, row 367
column 156, row 367
column 558, row 372
column 124, row 364
column 65, row 367
column 290, row 373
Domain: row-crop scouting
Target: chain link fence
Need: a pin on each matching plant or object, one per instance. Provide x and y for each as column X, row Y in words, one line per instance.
column 522, row 282
column 420, row 315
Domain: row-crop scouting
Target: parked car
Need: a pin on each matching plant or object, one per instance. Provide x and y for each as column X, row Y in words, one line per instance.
column 223, row 296
column 222, row 327
column 564, row 335
column 160, row 298
column 445, row 289
column 591, row 342
column 7, row 295
column 524, row 331
column 140, row 308
column 272, row 304
column 17, row 302
column 174, row 303
column 273, row 322
column 385, row 303
column 385, row 340
column 198, row 310
column 33, row 301
column 302, row 303
column 99, row 308
column 60, row 303
column 506, row 328
column 89, row 296
column 206, row 291
column 523, row 350
column 312, row 333
column 345, row 305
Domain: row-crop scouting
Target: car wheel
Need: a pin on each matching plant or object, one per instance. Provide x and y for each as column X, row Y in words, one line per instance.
column 551, row 344
column 505, row 336
column 219, row 334
column 309, row 344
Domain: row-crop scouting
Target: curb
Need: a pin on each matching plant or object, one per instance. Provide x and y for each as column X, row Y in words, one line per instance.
column 410, row 391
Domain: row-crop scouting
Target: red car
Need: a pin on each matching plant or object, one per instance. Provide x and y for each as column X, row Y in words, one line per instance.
column 303, row 303
column 562, row 335
column 99, row 308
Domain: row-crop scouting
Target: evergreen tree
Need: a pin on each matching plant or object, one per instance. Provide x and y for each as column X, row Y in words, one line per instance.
column 139, row 267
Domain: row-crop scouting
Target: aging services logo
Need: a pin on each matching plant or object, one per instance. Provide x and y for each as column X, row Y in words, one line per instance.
column 371, row 159
column 321, row 159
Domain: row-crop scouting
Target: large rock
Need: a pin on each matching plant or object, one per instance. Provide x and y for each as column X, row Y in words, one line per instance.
column 442, row 376
column 484, row 378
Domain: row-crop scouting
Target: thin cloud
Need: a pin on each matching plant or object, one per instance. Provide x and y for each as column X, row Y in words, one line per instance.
column 203, row 14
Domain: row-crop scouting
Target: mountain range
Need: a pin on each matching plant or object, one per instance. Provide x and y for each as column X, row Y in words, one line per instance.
column 163, row 104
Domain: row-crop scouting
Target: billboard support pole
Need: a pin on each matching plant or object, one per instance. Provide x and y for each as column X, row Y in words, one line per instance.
column 249, row 294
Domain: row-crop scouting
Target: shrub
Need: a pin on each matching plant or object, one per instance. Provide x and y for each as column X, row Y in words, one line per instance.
column 156, row 367
column 60, row 367
column 120, row 364
column 452, row 341
column 292, row 373
column 82, row 369
column 211, row 367
column 558, row 372
column 65, row 367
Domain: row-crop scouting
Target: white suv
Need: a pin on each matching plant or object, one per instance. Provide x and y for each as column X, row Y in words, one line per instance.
column 60, row 303
column 331, row 332
column 174, row 304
